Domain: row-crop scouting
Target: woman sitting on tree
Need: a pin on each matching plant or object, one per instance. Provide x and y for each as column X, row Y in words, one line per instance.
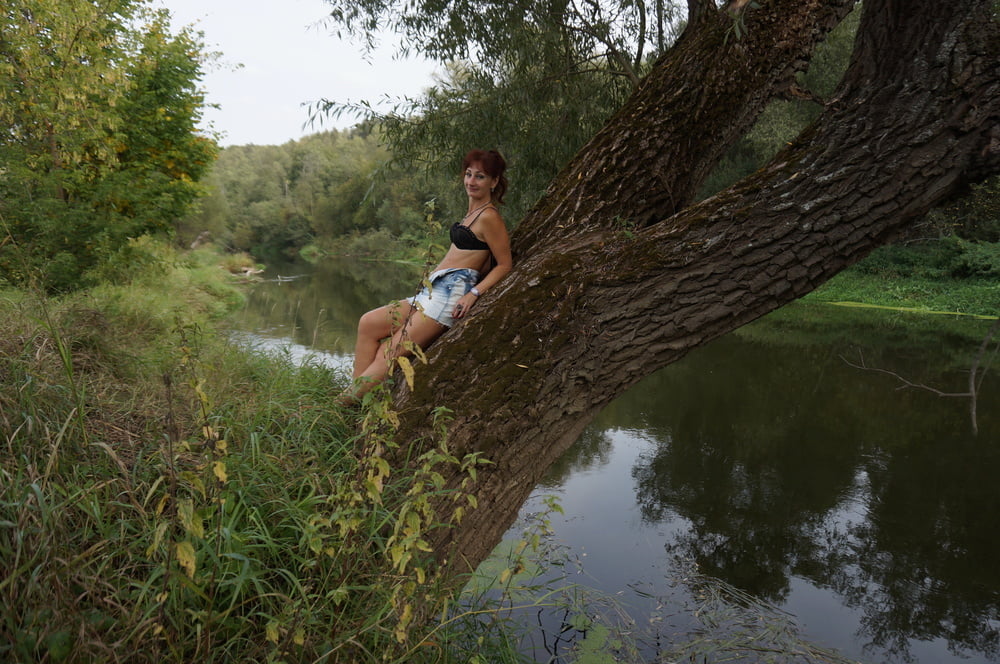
column 478, row 258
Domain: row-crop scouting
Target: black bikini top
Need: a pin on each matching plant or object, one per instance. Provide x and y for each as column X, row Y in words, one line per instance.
column 463, row 237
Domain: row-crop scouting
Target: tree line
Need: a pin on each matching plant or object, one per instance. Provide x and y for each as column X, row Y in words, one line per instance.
column 101, row 106
column 320, row 191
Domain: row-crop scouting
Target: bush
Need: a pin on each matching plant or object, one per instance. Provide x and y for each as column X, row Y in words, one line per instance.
column 948, row 257
column 977, row 260
column 142, row 257
column 975, row 216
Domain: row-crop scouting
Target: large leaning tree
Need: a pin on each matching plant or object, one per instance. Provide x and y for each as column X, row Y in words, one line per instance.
column 619, row 273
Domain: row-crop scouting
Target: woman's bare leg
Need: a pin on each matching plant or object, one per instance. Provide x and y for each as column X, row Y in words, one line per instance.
column 417, row 328
column 374, row 328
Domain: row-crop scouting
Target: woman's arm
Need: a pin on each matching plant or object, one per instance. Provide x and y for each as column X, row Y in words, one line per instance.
column 495, row 234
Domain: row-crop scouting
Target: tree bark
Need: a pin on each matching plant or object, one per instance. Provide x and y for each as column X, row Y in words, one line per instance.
column 617, row 274
column 701, row 97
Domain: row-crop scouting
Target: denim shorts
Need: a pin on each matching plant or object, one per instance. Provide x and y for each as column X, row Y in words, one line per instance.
column 446, row 289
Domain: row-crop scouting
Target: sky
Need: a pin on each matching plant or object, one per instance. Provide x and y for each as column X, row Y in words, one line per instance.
column 275, row 59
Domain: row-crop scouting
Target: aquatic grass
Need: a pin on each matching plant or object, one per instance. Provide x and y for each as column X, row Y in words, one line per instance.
column 926, row 312
column 733, row 625
column 526, row 595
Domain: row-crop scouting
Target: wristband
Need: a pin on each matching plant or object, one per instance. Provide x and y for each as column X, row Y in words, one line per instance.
column 474, row 291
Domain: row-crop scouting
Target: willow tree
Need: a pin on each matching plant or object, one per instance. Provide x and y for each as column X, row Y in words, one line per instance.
column 619, row 273
column 533, row 78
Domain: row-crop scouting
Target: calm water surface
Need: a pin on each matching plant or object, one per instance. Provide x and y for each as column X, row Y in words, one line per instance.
column 765, row 459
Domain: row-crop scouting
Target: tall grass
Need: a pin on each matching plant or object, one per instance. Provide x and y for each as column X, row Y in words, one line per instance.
column 166, row 496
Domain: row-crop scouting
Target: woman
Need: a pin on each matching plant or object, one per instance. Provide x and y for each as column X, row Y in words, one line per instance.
column 478, row 258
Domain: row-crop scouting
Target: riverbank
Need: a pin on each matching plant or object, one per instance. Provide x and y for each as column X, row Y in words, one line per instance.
column 963, row 297
column 166, row 496
column 948, row 275
column 173, row 497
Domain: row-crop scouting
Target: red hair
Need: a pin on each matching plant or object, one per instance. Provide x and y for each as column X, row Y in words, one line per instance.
column 493, row 164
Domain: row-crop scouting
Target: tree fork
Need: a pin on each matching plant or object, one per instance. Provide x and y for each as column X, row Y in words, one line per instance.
column 699, row 99
column 594, row 306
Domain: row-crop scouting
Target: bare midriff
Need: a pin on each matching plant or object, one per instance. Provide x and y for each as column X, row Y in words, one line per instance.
column 474, row 259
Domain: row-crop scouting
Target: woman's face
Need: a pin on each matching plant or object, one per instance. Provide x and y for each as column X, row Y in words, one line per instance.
column 477, row 183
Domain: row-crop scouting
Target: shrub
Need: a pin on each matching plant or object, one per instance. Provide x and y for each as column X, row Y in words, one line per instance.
column 977, row 260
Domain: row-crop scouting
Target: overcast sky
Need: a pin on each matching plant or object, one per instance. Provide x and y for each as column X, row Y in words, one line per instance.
column 286, row 61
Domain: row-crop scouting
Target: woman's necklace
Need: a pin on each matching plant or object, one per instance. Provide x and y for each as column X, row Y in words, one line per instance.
column 477, row 210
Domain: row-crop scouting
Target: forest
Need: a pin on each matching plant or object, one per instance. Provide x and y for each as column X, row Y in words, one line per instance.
column 332, row 189
column 169, row 496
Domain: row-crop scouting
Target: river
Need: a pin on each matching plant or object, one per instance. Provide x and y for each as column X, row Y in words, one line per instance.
column 783, row 460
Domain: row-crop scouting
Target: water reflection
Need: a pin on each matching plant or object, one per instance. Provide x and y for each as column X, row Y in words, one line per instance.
column 317, row 307
column 784, row 464
column 870, row 513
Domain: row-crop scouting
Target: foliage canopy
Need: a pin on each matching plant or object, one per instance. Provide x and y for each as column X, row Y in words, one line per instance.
column 324, row 190
column 99, row 104
column 532, row 79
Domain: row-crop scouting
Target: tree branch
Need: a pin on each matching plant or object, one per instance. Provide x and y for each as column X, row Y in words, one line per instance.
column 588, row 29
column 975, row 378
column 975, row 384
column 906, row 383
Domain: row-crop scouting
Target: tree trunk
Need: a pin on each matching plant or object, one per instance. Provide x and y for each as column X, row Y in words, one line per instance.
column 617, row 274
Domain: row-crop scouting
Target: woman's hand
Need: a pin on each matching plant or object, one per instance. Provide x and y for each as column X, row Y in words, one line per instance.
column 464, row 304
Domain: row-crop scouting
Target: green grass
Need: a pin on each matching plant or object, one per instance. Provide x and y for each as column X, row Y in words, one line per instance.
column 969, row 297
column 168, row 497
column 951, row 275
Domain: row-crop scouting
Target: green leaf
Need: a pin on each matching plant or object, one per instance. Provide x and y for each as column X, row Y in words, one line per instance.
column 190, row 519
column 60, row 645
